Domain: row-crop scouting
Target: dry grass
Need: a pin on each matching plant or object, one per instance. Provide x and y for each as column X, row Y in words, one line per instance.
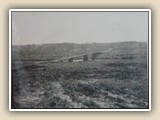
column 118, row 80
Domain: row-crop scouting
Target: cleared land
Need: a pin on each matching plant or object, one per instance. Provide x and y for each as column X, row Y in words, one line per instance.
column 117, row 79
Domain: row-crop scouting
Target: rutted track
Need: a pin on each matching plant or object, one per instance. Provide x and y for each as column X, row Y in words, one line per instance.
column 83, row 85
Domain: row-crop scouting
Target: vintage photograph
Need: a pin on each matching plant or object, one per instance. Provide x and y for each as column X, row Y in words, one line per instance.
column 80, row 59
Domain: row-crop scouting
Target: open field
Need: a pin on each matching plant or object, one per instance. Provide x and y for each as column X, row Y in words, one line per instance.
column 117, row 79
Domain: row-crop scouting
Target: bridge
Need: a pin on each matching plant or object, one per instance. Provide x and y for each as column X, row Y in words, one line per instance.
column 85, row 56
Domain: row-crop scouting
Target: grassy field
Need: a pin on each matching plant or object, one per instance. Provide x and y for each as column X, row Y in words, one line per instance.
column 117, row 79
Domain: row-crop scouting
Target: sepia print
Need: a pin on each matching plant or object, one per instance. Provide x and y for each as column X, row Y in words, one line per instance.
column 80, row 59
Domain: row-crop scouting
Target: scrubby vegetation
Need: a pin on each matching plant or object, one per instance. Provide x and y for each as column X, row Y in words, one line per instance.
column 117, row 79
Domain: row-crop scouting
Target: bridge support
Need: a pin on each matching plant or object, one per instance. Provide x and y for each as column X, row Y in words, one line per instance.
column 70, row 60
column 85, row 57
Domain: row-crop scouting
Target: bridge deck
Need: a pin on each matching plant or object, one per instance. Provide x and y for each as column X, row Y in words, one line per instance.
column 81, row 55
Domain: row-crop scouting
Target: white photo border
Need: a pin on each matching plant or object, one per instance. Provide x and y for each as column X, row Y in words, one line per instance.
column 82, row 10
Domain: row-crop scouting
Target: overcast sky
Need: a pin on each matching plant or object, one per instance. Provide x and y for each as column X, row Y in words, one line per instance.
column 78, row 27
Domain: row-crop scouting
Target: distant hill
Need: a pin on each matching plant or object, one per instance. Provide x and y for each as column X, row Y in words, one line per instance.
column 55, row 51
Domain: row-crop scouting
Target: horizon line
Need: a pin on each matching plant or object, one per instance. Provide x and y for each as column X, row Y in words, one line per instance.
column 76, row 43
